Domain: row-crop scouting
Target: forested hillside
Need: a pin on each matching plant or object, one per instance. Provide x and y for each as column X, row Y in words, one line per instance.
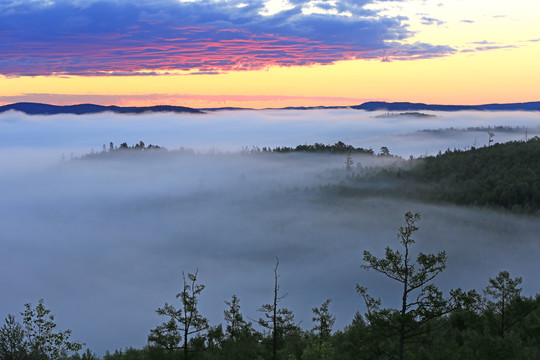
column 505, row 176
column 500, row 176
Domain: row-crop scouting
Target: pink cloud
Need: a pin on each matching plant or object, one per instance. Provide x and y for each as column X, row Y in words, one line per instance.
column 123, row 37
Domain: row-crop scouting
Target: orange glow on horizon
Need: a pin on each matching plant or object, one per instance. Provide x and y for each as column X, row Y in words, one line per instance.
column 504, row 75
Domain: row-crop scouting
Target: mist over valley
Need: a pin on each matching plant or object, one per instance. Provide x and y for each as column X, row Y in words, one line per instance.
column 105, row 240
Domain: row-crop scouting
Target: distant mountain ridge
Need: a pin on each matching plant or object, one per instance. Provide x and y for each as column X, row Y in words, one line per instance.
column 407, row 106
column 81, row 109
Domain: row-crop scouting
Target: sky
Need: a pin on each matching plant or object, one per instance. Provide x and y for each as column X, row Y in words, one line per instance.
column 104, row 242
column 274, row 53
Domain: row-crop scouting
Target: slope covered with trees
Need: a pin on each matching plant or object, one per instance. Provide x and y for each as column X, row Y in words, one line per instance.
column 501, row 176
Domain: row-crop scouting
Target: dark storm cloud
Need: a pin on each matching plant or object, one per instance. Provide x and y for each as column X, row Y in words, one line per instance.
column 131, row 38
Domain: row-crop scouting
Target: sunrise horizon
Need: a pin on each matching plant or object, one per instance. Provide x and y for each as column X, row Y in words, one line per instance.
column 268, row 54
column 289, row 104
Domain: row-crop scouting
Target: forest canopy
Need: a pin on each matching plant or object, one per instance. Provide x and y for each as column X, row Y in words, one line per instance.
column 501, row 176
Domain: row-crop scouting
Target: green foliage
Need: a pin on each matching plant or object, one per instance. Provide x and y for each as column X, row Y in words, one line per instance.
column 184, row 321
column 87, row 355
column 278, row 321
column 384, row 151
column 319, row 351
column 323, row 320
column 167, row 335
column 37, row 338
column 12, row 346
column 469, row 332
column 124, row 148
column 501, row 176
column 503, row 325
column 236, row 325
column 338, row 148
column 414, row 276
column 42, row 341
column 503, row 291
column 459, row 327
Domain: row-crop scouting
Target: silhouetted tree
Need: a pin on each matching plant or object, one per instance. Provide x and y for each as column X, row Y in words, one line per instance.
column 42, row 341
column 277, row 320
column 184, row 321
column 235, row 320
column 12, row 340
column 349, row 161
column 323, row 320
column 414, row 276
column 504, row 290
column 384, row 151
column 491, row 135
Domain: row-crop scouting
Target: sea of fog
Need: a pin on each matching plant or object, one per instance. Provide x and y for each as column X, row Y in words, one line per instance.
column 105, row 242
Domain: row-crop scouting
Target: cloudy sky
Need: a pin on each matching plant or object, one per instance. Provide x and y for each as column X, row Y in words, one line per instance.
column 268, row 53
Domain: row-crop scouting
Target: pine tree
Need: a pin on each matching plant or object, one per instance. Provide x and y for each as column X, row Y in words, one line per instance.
column 415, row 277
column 184, row 321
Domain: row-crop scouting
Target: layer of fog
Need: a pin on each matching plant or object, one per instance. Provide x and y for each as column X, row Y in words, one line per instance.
column 230, row 130
column 104, row 242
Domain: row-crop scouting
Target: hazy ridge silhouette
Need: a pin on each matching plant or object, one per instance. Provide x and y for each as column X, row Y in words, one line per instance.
column 31, row 108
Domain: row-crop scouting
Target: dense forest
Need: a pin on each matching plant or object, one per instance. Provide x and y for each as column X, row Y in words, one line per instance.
column 501, row 176
column 496, row 323
column 141, row 147
column 113, row 151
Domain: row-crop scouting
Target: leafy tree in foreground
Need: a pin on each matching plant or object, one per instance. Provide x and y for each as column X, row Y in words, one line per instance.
column 36, row 338
column 12, row 340
column 320, row 347
column 415, row 277
column 41, row 339
column 239, row 340
column 184, row 321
